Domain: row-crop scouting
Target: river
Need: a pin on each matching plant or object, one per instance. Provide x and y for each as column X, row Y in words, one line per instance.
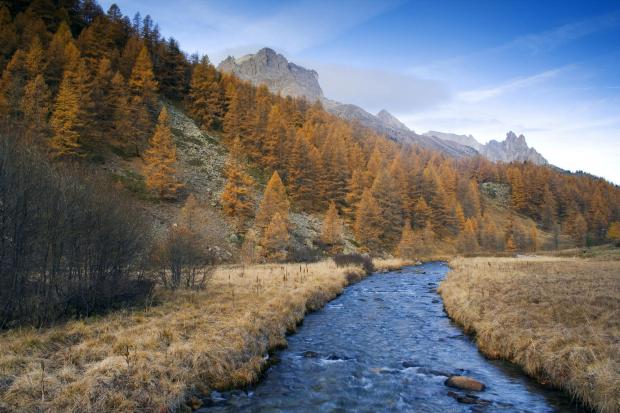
column 387, row 345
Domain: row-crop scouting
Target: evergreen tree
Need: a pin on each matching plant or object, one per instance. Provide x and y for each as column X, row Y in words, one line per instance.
column 160, row 159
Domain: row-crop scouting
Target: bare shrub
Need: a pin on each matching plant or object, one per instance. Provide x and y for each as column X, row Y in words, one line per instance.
column 364, row 261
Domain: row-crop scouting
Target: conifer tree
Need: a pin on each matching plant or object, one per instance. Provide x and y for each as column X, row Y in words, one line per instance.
column 237, row 200
column 368, row 222
column 206, row 96
column 35, row 106
column 65, row 122
column 275, row 136
column 385, row 191
column 331, row 232
column 160, row 159
column 275, row 200
column 142, row 83
column 57, row 55
column 421, row 214
column 275, row 238
column 356, row 187
column 578, row 228
column 467, row 241
column 407, row 245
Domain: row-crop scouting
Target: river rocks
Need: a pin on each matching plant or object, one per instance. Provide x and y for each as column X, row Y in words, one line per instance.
column 409, row 364
column 433, row 372
column 468, row 399
column 310, row 354
column 464, row 383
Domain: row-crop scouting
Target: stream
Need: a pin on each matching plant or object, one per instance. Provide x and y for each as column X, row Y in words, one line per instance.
column 387, row 345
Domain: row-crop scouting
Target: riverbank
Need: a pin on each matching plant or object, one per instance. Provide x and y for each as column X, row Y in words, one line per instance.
column 154, row 359
column 558, row 318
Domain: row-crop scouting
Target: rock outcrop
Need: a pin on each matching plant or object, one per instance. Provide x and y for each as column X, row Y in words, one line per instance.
column 466, row 140
column 513, row 148
column 278, row 74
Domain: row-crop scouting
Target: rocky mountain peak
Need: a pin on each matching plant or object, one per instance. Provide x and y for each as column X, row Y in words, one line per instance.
column 273, row 70
column 513, row 148
column 391, row 120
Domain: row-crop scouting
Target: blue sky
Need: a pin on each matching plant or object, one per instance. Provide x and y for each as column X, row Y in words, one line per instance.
column 547, row 69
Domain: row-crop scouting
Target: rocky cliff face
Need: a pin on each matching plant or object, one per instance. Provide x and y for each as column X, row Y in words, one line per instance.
column 513, row 148
column 466, row 140
column 278, row 74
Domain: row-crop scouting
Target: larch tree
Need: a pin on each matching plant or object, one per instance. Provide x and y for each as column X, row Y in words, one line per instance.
column 385, row 191
column 237, row 199
column 467, row 242
column 421, row 214
column 275, row 238
column 65, row 122
column 35, row 106
column 331, row 231
column 407, row 245
column 160, row 161
column 206, row 96
column 578, row 228
column 142, row 83
column 368, row 222
column 275, row 200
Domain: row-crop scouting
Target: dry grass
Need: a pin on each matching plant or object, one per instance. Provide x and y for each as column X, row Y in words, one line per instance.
column 391, row 264
column 152, row 359
column 558, row 318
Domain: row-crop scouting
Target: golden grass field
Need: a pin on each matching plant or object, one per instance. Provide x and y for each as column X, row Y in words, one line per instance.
column 556, row 317
column 153, row 359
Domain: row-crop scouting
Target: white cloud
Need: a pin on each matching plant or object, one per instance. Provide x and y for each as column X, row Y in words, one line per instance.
column 509, row 86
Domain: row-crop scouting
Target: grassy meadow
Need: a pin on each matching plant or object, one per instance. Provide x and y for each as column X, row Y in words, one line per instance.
column 153, row 359
column 556, row 317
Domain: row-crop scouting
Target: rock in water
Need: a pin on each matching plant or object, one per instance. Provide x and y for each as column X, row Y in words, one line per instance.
column 464, row 383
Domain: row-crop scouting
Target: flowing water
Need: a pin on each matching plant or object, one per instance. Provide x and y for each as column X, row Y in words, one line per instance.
column 386, row 345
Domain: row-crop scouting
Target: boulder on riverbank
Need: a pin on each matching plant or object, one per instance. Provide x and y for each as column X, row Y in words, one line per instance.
column 464, row 383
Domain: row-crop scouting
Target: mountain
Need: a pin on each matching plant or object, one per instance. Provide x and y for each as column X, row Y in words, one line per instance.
column 278, row 74
column 513, row 148
column 466, row 140
column 281, row 76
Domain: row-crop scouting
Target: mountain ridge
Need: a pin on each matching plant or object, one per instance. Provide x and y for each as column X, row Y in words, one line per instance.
column 287, row 78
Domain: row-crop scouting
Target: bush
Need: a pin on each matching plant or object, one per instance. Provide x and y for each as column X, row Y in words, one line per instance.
column 305, row 254
column 364, row 261
column 69, row 241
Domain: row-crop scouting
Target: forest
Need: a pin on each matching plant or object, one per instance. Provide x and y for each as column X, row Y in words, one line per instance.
column 81, row 88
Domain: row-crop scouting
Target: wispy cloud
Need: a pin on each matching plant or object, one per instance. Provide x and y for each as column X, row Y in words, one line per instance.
column 478, row 95
column 529, row 44
column 556, row 37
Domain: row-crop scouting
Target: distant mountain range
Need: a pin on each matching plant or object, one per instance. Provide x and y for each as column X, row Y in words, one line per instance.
column 281, row 76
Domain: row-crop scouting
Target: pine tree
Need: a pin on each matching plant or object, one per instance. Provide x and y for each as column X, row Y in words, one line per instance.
column 331, row 232
column 407, row 246
column 275, row 200
column 368, row 222
column 275, row 238
column 160, row 159
column 237, row 199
